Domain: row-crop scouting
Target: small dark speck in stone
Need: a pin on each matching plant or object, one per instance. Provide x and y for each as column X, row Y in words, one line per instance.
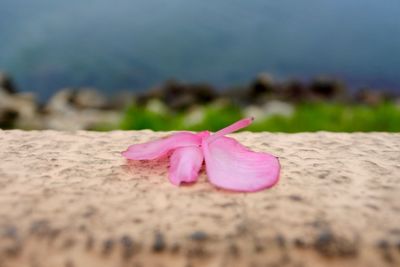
column 13, row 250
column 337, row 181
column 69, row 263
column 108, row 245
column 39, row 227
column 330, row 245
column 126, row 241
column 295, row 198
column 10, row 232
column 398, row 245
column 197, row 252
column 175, row 248
column 323, row 242
column 280, row 240
column 347, row 248
column 137, row 220
column 371, row 206
column 54, row 233
column 258, row 248
column 233, row 249
column 388, row 257
column 383, row 244
column 68, row 243
column 269, row 207
column 89, row 242
column 89, row 212
column 386, row 187
column 159, row 242
column 394, row 231
column 322, row 176
column 198, row 236
column 285, row 259
column 299, row 243
column 318, row 224
column 127, row 245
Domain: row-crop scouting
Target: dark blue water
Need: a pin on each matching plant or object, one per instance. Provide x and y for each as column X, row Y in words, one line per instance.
column 127, row 44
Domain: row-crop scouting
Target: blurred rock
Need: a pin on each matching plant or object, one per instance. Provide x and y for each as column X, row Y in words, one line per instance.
column 195, row 116
column 60, row 102
column 80, row 109
column 67, row 98
column 271, row 108
column 237, row 95
column 295, row 91
column 89, row 98
column 8, row 118
column 19, row 110
column 180, row 96
column 74, row 110
column 7, row 84
column 276, row 107
column 87, row 119
column 204, row 93
column 370, row 97
column 325, row 88
column 122, row 100
column 254, row 111
column 156, row 106
column 261, row 89
column 397, row 102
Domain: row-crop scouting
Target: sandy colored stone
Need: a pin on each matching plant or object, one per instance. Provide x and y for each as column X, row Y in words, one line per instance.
column 69, row 199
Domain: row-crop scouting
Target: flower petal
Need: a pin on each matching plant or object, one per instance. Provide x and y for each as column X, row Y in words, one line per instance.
column 232, row 166
column 231, row 128
column 185, row 164
column 158, row 148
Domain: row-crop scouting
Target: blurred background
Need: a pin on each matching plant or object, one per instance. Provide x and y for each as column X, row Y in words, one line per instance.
column 295, row 65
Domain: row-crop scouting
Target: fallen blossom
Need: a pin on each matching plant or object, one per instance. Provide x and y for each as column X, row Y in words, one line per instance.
column 229, row 164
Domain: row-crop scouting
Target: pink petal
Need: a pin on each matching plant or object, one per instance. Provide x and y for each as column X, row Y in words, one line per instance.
column 185, row 164
column 231, row 128
column 232, row 166
column 161, row 147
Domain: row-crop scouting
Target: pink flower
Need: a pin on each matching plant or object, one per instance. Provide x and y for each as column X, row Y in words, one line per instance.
column 229, row 164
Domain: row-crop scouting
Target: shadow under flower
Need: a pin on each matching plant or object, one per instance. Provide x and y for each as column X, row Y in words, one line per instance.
column 155, row 172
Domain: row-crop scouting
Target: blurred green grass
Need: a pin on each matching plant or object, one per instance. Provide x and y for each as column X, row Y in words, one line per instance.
column 307, row 117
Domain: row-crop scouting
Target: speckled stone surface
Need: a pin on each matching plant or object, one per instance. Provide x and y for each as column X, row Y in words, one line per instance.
column 69, row 199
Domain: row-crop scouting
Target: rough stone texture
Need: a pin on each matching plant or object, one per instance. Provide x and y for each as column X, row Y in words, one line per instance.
column 69, row 199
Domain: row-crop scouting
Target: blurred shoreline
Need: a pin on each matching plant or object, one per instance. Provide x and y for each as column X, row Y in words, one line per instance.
column 87, row 109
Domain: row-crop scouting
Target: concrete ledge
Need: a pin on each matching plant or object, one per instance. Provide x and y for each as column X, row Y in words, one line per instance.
column 69, row 199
